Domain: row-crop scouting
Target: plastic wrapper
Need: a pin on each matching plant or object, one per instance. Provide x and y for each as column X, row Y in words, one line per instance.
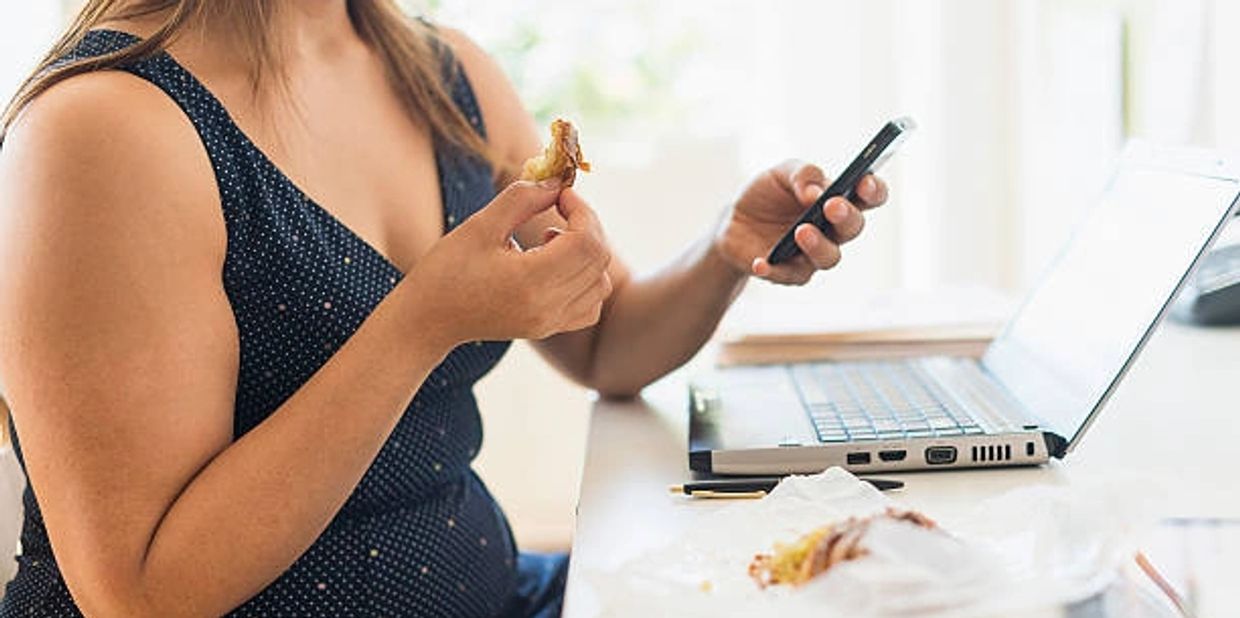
column 1020, row 553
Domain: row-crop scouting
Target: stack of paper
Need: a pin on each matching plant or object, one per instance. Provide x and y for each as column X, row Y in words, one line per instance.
column 765, row 328
column 854, row 345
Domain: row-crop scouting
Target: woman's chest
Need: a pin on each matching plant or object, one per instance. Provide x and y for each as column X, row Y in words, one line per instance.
column 350, row 147
column 380, row 180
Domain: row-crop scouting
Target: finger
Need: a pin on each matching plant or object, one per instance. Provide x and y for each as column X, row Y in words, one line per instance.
column 569, row 256
column 760, row 267
column 585, row 319
column 796, row 271
column 516, row 204
column 587, row 285
column 598, row 290
column 550, row 233
column 802, row 179
column 587, row 312
column 820, row 251
column 871, row 191
column 586, row 308
column 792, row 274
column 809, row 182
column 577, row 213
column 579, row 321
column 574, row 210
column 605, row 287
column 846, row 220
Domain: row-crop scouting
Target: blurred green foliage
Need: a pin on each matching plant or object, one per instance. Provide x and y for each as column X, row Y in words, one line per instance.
column 609, row 65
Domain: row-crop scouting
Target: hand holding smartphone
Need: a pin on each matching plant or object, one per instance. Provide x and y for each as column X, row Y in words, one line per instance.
column 870, row 160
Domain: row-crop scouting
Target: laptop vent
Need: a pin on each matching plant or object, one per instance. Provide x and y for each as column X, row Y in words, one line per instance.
column 992, row 452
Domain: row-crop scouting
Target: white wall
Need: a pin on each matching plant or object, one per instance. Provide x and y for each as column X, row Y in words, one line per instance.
column 26, row 33
column 1022, row 107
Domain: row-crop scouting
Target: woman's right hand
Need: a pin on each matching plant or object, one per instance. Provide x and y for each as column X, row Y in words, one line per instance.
column 478, row 284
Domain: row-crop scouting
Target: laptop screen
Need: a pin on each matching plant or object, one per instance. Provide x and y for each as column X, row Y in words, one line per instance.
column 1090, row 313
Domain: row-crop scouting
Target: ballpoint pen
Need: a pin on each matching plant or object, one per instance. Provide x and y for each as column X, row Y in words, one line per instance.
column 753, row 487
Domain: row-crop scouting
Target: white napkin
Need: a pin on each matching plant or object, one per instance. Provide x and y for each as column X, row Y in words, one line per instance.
column 1022, row 552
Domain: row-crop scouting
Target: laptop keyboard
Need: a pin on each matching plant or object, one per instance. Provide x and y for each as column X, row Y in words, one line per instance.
column 878, row 400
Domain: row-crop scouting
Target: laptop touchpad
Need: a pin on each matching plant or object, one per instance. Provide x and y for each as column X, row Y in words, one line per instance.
column 760, row 407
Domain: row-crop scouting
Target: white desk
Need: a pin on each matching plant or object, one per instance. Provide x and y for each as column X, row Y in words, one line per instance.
column 1190, row 377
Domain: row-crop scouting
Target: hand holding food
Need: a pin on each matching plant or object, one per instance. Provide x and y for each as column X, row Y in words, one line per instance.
column 561, row 159
column 485, row 287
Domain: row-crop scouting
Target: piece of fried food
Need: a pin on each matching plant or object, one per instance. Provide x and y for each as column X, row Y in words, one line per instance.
column 822, row 548
column 561, row 159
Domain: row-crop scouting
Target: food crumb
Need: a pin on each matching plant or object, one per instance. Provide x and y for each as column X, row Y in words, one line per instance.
column 706, row 586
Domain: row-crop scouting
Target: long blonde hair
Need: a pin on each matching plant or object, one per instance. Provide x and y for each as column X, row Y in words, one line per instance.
column 410, row 50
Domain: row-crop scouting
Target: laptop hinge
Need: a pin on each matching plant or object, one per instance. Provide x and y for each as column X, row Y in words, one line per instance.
column 703, row 434
column 1056, row 445
column 700, row 461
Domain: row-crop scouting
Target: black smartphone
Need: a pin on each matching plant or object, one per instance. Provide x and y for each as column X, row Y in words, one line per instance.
column 871, row 158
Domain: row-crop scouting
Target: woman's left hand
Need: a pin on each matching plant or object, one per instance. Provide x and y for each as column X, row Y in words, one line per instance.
column 777, row 199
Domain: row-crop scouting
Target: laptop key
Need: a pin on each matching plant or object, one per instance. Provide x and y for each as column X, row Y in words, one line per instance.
column 811, row 394
column 876, row 400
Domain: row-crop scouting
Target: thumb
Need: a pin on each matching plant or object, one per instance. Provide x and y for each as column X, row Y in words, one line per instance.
column 518, row 203
column 576, row 211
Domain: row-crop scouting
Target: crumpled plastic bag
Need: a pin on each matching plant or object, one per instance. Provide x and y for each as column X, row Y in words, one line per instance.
column 1021, row 553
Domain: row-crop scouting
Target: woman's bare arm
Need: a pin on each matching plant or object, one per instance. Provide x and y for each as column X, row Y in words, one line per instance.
column 119, row 354
column 649, row 326
column 653, row 324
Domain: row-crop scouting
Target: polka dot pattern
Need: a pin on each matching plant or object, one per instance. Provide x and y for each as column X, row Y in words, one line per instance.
column 420, row 535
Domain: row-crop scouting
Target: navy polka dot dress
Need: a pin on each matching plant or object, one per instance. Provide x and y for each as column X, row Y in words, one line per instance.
column 420, row 535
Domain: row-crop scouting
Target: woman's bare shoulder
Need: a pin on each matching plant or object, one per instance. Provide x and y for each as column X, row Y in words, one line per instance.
column 510, row 128
column 107, row 146
column 110, row 118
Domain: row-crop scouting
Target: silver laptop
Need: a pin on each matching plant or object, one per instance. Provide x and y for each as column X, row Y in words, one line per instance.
column 1039, row 385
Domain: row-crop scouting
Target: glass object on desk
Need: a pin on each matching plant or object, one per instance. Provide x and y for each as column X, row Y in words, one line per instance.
column 1200, row 559
column 1188, row 569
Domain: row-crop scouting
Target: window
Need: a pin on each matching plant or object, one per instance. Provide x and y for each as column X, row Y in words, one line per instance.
column 27, row 33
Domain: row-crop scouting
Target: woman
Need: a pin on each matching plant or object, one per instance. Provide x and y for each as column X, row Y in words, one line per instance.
column 256, row 253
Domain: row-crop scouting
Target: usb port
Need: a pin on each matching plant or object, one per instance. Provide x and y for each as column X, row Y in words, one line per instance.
column 857, row 459
column 892, row 455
